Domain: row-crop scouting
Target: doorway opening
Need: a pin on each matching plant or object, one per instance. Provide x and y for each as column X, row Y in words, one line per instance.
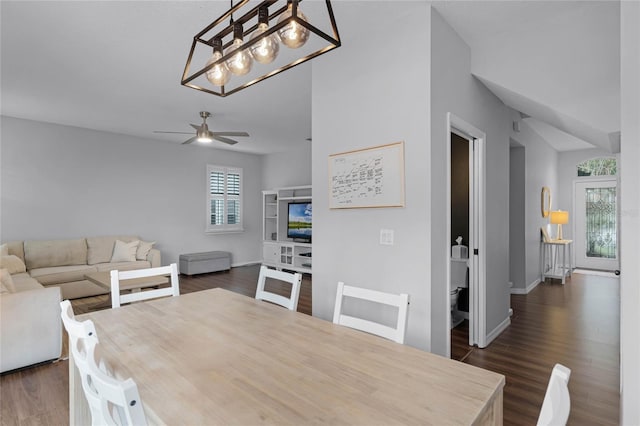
column 465, row 242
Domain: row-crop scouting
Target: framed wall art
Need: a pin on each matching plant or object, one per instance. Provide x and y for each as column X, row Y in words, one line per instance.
column 367, row 178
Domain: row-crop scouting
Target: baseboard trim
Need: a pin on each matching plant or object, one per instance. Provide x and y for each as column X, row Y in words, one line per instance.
column 252, row 262
column 527, row 290
column 496, row 331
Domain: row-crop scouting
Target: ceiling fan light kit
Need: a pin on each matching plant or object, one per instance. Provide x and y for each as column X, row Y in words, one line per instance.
column 265, row 38
column 204, row 135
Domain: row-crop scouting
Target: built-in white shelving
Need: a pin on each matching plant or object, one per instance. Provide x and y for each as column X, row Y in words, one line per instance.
column 278, row 250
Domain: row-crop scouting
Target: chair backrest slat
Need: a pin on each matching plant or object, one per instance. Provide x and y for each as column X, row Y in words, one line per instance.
column 118, row 299
column 557, row 402
column 295, row 280
column 400, row 301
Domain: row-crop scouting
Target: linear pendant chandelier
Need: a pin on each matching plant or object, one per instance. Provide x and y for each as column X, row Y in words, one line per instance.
column 266, row 38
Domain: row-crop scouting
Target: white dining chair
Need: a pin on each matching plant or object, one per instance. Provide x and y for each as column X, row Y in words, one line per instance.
column 119, row 402
column 117, row 277
column 82, row 334
column 400, row 301
column 111, row 401
column 557, row 403
column 295, row 280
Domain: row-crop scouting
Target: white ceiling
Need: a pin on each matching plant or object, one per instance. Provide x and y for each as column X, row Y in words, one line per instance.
column 116, row 66
column 556, row 61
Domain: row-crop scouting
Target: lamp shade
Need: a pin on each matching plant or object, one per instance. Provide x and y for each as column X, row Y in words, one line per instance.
column 559, row 217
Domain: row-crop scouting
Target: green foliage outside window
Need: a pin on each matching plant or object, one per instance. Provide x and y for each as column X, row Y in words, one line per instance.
column 598, row 167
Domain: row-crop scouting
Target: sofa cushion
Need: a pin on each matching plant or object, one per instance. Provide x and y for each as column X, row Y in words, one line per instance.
column 100, row 249
column 123, row 266
column 61, row 274
column 6, row 282
column 143, row 250
column 16, row 248
column 24, row 282
column 13, row 264
column 43, row 254
column 124, row 252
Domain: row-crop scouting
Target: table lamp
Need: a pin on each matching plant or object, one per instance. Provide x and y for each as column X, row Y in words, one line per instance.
column 559, row 218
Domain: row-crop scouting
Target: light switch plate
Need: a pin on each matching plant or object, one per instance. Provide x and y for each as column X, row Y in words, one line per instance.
column 386, row 237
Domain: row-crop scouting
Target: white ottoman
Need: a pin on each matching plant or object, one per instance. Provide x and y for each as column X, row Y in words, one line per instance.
column 202, row 263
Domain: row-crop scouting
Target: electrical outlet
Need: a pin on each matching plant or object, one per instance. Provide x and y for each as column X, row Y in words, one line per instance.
column 386, row 237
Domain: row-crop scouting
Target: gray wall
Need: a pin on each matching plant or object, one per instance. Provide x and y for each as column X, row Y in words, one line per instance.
column 459, row 189
column 517, row 214
column 290, row 168
column 454, row 90
column 364, row 94
column 67, row 182
column 541, row 165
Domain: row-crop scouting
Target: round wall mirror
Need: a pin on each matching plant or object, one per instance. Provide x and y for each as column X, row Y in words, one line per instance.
column 545, row 201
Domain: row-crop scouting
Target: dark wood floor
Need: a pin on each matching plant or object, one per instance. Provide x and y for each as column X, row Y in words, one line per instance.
column 576, row 325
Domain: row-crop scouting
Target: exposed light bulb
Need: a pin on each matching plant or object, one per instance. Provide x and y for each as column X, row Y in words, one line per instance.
column 266, row 50
column 293, row 35
column 219, row 74
column 241, row 62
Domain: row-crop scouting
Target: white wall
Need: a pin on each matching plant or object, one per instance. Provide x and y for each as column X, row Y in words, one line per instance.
column 63, row 182
column 375, row 90
column 454, row 90
column 290, row 168
column 541, row 169
column 630, row 220
column 567, row 176
column 584, row 81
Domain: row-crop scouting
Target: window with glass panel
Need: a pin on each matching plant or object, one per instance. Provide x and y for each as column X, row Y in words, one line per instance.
column 224, row 193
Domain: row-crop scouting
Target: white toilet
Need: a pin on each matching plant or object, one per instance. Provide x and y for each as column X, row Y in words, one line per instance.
column 458, row 281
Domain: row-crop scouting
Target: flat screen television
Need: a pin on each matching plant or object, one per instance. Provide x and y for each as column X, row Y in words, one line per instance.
column 299, row 222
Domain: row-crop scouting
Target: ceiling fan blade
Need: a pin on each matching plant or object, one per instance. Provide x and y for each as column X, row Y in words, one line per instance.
column 225, row 140
column 197, row 127
column 230, row 134
column 188, row 141
column 177, row 133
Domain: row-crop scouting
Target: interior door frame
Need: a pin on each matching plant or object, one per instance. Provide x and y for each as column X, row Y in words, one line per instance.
column 477, row 230
column 594, row 179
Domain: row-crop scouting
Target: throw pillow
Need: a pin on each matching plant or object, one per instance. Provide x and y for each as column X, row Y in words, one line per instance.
column 143, row 250
column 124, row 252
column 13, row 263
column 6, row 282
column 4, row 250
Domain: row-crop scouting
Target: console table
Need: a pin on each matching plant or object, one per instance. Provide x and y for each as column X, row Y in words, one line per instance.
column 550, row 266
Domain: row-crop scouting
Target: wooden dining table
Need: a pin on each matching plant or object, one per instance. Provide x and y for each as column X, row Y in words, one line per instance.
column 215, row 357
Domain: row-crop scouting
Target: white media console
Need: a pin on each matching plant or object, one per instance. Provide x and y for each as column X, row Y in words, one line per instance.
column 278, row 250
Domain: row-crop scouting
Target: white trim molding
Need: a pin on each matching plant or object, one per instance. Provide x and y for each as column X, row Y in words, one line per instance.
column 496, row 331
column 477, row 228
column 528, row 289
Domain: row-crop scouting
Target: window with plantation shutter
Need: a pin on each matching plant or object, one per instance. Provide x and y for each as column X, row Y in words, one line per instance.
column 224, row 199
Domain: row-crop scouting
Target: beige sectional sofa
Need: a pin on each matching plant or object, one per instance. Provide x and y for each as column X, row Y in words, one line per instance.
column 64, row 263
column 37, row 275
column 30, row 326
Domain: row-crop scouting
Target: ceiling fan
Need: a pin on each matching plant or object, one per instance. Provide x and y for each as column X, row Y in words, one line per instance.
column 203, row 134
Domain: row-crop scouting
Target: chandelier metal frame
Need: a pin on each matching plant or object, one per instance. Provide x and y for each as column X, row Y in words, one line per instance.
column 224, row 26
